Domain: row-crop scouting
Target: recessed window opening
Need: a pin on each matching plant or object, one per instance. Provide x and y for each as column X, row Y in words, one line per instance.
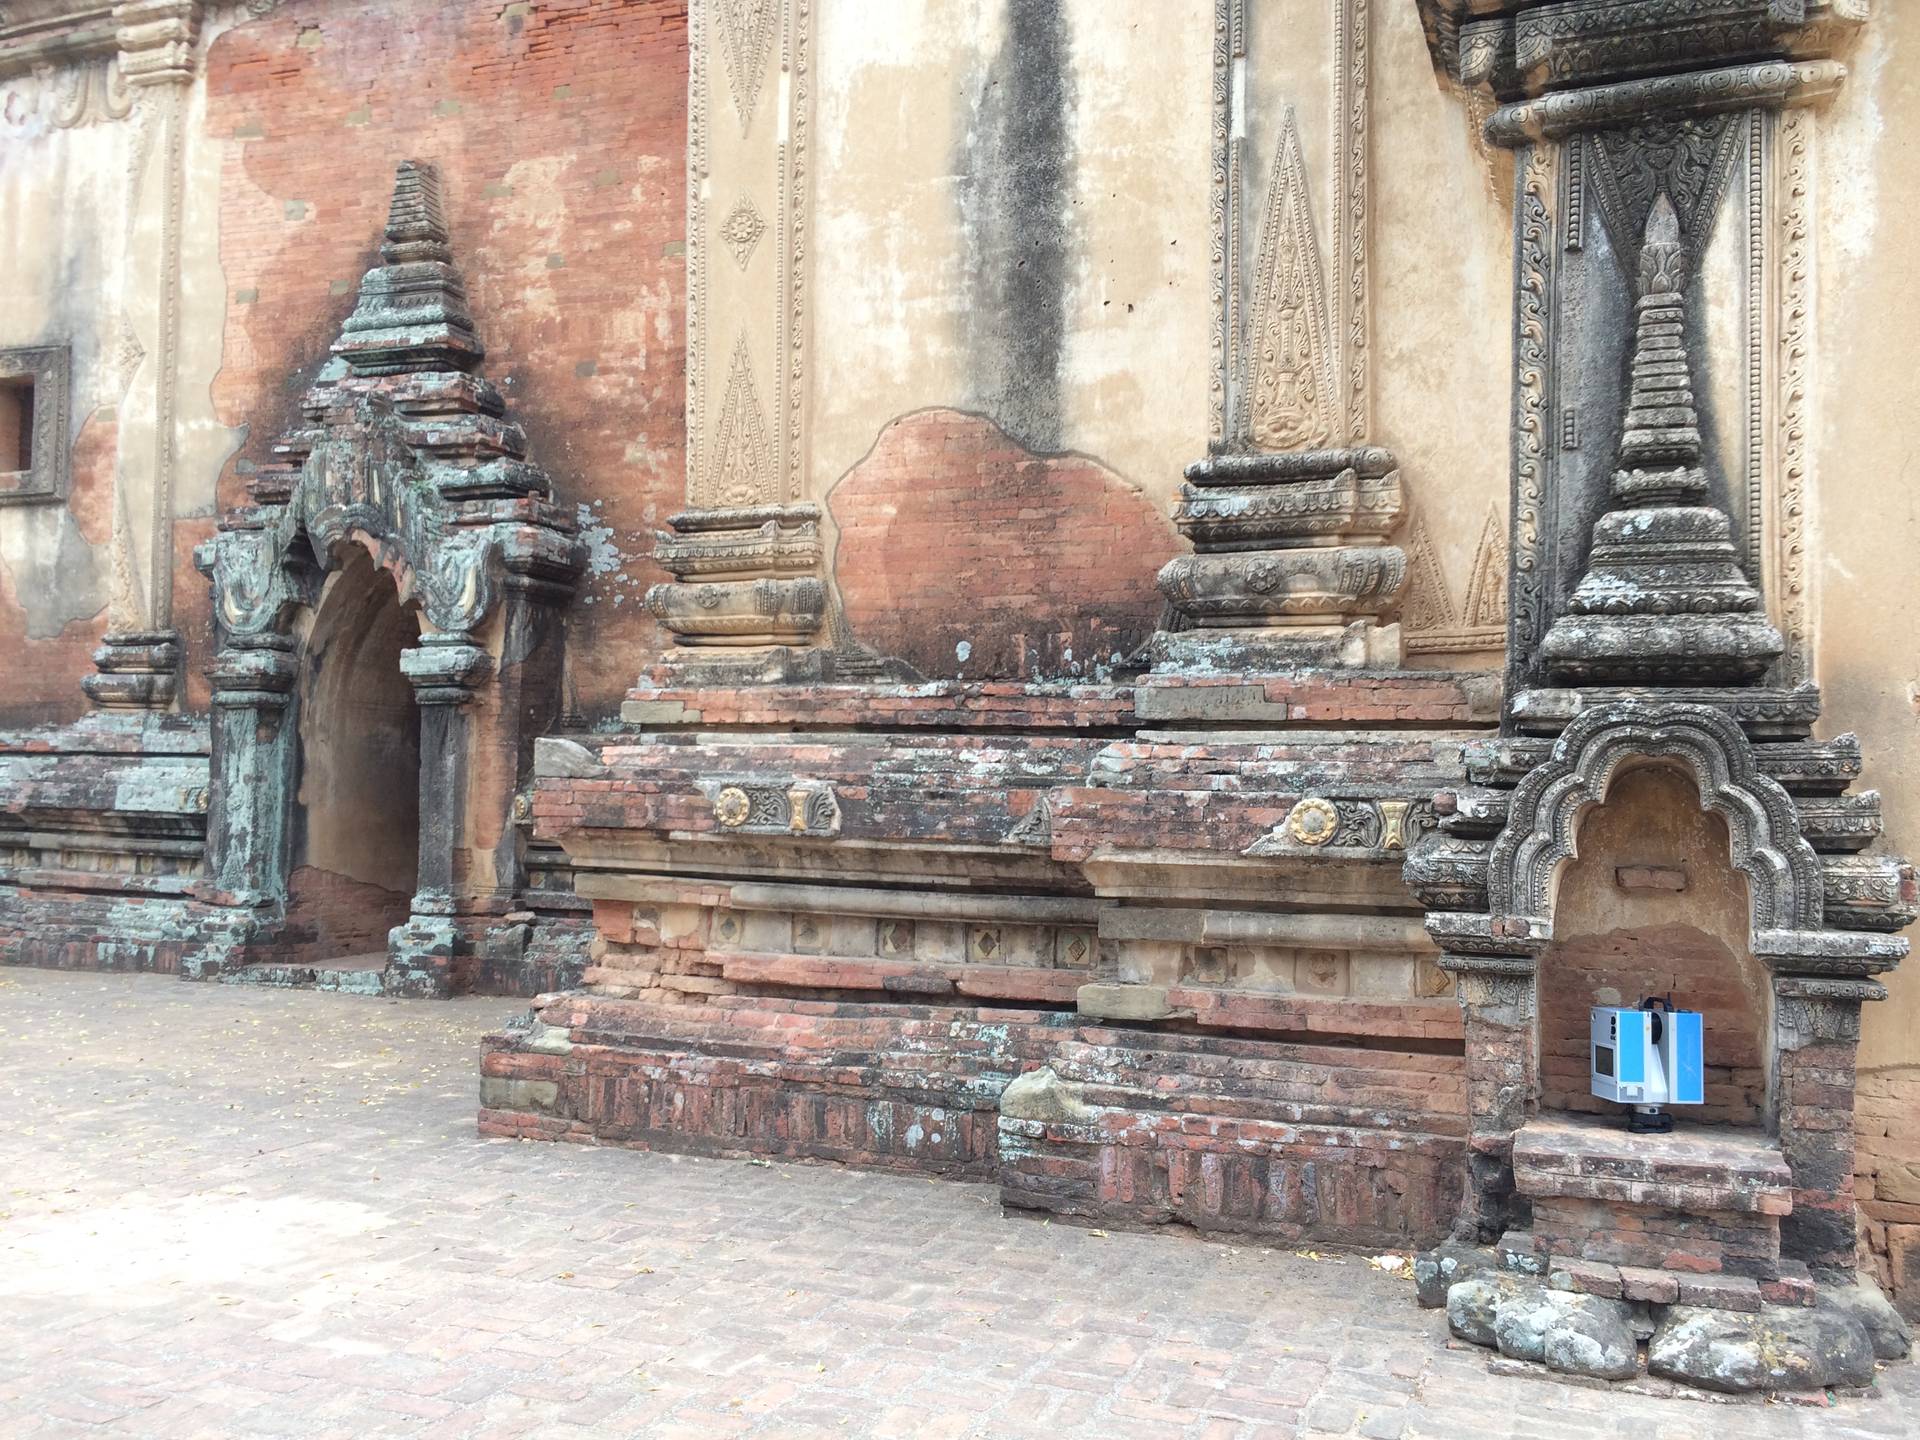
column 16, row 423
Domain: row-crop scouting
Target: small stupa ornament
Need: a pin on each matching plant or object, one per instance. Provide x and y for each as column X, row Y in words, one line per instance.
column 1664, row 600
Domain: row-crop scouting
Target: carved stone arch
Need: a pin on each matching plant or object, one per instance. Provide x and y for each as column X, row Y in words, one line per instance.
column 406, row 452
column 1785, row 888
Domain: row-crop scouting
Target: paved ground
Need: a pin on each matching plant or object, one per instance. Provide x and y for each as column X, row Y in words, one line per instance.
column 237, row 1212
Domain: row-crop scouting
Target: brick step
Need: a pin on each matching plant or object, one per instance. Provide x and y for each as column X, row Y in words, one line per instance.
column 348, row 975
column 1244, row 1076
column 918, row 1087
column 1694, row 1169
column 1790, row 1284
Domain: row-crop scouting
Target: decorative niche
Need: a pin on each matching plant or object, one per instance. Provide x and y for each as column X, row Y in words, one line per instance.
column 34, row 386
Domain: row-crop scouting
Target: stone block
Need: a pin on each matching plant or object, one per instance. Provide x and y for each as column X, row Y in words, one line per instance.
column 1436, row 1271
column 1472, row 1304
column 939, row 942
column 1658, row 1287
column 501, row 1093
column 1720, row 1292
column 1864, row 1301
column 1594, row 1338
column 1123, row 1002
column 1043, row 1097
column 1586, row 1277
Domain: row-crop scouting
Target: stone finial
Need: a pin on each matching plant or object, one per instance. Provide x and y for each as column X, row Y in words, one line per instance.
column 412, row 314
column 1664, row 599
column 416, row 225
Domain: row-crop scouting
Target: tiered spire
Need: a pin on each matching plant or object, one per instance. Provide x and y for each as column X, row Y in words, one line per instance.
column 412, row 314
column 1664, row 599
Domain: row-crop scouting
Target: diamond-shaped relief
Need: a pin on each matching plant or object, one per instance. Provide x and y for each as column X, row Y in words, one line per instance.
column 741, row 231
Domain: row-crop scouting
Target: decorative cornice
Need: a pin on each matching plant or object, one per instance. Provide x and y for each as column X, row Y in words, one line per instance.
column 1772, row 84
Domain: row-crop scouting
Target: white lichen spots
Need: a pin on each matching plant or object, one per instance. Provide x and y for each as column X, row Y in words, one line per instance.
column 963, row 652
column 607, row 573
column 603, row 556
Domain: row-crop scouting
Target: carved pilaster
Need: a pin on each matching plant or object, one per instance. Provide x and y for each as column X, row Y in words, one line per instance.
column 251, row 793
column 137, row 666
column 746, row 554
column 446, row 671
column 1290, row 513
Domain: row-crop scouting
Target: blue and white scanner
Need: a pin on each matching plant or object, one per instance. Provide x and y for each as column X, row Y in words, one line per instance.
column 1650, row 1057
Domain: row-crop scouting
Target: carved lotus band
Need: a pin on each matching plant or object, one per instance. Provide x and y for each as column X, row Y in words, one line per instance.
column 1347, row 506
column 740, row 612
column 1285, row 586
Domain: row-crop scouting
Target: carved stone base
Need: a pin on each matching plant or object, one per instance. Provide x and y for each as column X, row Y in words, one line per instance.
column 1289, row 564
column 1358, row 645
column 420, row 957
column 135, row 671
column 740, row 612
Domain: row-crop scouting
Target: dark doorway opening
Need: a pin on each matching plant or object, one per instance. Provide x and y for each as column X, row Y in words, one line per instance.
column 356, row 812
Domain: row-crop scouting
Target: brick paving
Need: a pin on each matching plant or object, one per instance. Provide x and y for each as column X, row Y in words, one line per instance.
column 228, row 1211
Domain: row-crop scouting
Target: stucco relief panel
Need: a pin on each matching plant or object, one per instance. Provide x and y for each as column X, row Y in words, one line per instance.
column 749, row 119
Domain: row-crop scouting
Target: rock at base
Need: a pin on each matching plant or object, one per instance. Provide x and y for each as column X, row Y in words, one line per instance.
column 1886, row 1331
column 1593, row 1337
column 1572, row 1334
column 1472, row 1303
column 1521, row 1321
column 1438, row 1270
column 1779, row 1348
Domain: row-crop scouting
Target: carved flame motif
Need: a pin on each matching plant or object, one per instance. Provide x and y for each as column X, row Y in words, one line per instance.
column 1289, row 399
column 1663, row 263
column 742, row 461
column 1487, row 591
column 1433, row 622
column 746, row 37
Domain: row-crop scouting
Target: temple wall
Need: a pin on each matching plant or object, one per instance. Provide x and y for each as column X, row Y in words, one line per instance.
column 1866, row 533
column 1007, row 268
column 952, row 272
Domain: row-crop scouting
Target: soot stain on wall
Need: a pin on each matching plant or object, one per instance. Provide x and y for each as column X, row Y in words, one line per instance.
column 1015, row 164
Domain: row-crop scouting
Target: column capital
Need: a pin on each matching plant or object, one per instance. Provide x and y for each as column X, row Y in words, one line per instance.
column 157, row 40
column 445, row 669
column 254, row 670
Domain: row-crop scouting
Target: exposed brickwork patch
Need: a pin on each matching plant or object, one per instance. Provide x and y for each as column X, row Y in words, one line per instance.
column 966, row 555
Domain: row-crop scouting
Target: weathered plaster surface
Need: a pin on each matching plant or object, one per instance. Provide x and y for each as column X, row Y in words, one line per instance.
column 1866, row 514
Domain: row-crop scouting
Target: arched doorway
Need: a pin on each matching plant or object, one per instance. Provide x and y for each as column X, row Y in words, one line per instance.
column 388, row 606
column 355, row 842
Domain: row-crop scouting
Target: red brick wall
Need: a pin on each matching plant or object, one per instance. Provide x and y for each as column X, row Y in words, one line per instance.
column 1887, row 1179
column 971, row 557
column 559, row 129
column 40, row 675
column 1623, row 934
